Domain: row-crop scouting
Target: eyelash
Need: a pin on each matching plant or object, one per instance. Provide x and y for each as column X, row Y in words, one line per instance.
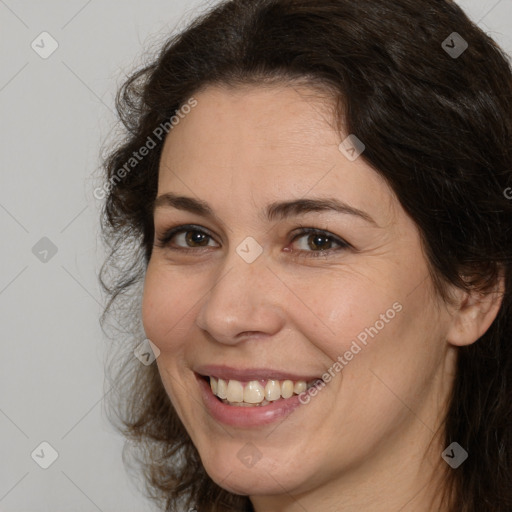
column 165, row 239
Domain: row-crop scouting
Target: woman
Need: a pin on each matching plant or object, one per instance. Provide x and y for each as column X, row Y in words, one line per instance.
column 311, row 193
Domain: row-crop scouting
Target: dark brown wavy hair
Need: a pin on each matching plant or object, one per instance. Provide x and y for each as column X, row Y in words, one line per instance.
column 437, row 127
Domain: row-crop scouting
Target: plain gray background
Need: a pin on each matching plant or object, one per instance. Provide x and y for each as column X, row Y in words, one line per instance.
column 55, row 115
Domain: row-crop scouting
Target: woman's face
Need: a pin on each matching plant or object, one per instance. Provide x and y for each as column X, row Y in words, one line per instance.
column 295, row 261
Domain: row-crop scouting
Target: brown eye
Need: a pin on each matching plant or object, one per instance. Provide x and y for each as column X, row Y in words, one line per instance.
column 313, row 242
column 186, row 237
column 319, row 242
column 195, row 238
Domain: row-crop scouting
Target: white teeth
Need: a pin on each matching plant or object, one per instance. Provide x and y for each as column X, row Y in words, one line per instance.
column 254, row 393
column 222, row 387
column 272, row 390
column 213, row 385
column 287, row 389
column 299, row 387
column 235, row 391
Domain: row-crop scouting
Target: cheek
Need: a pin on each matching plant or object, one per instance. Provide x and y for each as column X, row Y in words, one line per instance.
column 369, row 328
column 167, row 305
column 340, row 308
column 166, row 309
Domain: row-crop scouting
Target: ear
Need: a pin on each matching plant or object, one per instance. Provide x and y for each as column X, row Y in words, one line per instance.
column 473, row 313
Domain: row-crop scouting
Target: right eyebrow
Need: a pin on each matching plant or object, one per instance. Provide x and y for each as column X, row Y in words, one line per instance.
column 189, row 204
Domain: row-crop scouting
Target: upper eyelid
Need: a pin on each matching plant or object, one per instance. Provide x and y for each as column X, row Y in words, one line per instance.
column 193, row 227
column 304, row 231
column 300, row 231
column 183, row 228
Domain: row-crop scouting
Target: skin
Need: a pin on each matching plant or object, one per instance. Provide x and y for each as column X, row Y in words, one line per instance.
column 363, row 442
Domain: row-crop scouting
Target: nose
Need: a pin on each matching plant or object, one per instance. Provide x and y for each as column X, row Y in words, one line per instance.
column 244, row 302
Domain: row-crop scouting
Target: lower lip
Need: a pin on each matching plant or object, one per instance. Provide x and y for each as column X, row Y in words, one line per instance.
column 246, row 416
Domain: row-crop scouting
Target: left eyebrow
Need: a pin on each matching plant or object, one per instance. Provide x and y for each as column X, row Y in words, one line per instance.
column 281, row 210
column 274, row 211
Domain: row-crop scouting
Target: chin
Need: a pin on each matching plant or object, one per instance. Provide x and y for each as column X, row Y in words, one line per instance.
column 263, row 478
column 252, row 482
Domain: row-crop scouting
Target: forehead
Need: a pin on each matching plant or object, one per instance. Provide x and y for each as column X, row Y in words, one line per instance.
column 265, row 141
column 276, row 119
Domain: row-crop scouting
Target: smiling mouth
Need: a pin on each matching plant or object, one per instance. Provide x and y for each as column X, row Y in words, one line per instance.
column 256, row 393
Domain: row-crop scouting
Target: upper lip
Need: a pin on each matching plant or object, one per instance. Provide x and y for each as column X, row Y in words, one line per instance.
column 247, row 374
